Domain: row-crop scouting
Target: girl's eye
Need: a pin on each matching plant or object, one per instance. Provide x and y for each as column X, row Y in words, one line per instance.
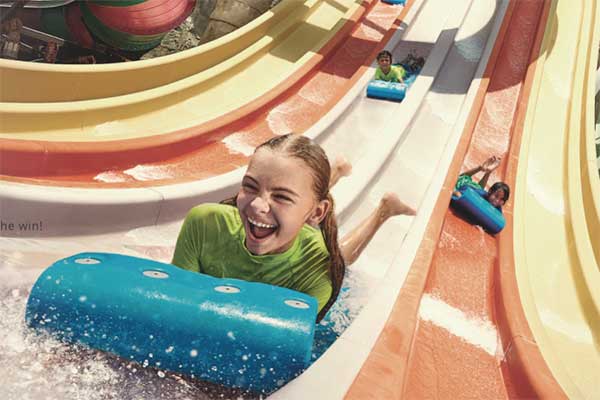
column 282, row 197
column 249, row 187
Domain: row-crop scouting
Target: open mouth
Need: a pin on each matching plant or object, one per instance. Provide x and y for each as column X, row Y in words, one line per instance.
column 261, row 230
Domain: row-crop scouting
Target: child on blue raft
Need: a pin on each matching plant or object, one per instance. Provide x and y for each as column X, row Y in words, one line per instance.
column 391, row 81
column 280, row 228
column 489, row 217
column 386, row 71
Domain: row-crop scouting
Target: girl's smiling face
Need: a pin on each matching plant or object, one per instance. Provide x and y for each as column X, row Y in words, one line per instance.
column 275, row 200
column 496, row 198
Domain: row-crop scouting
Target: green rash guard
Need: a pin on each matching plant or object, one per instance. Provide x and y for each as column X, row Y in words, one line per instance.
column 396, row 74
column 466, row 180
column 211, row 241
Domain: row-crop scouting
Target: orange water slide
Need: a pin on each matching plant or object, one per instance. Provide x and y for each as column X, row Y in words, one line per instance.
column 200, row 152
column 457, row 329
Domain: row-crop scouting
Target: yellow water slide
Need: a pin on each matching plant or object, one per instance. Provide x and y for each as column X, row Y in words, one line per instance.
column 557, row 204
column 141, row 99
column 26, row 82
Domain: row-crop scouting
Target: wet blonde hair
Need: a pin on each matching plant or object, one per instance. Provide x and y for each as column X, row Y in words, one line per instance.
column 314, row 157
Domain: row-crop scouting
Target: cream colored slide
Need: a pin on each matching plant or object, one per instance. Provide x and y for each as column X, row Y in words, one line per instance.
column 557, row 241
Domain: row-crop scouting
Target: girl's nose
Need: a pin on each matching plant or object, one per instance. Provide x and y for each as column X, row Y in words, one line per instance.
column 259, row 204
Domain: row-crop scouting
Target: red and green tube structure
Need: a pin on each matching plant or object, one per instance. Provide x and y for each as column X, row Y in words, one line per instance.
column 130, row 25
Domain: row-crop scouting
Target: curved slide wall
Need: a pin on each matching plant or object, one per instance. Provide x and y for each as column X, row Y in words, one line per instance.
column 556, row 205
column 39, row 83
column 196, row 97
column 181, row 155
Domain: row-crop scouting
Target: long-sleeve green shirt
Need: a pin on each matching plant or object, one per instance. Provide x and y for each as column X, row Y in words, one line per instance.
column 211, row 241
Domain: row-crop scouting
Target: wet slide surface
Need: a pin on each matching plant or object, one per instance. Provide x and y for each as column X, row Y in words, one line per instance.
column 454, row 350
column 457, row 331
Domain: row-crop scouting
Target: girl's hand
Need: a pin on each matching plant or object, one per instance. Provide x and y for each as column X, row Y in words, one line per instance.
column 490, row 164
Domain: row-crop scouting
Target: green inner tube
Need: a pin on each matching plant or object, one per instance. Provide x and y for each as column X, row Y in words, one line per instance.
column 118, row 39
column 117, row 3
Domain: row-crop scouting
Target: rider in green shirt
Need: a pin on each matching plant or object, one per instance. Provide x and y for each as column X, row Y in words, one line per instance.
column 212, row 240
column 386, row 71
column 280, row 228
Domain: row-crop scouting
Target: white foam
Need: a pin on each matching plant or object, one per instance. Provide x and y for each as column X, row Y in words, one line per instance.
column 148, row 172
column 313, row 93
column 110, row 177
column 474, row 330
column 277, row 118
column 449, row 241
column 238, row 143
column 357, row 288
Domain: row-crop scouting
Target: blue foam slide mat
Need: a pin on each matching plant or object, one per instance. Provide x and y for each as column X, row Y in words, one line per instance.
column 478, row 209
column 236, row 333
column 386, row 90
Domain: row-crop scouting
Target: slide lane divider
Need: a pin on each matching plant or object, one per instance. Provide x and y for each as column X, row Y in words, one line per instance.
column 397, row 336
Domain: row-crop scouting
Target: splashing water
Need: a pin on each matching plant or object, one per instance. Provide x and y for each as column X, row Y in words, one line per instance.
column 37, row 366
column 351, row 299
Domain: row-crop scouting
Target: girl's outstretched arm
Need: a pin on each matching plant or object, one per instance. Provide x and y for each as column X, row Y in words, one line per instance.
column 488, row 166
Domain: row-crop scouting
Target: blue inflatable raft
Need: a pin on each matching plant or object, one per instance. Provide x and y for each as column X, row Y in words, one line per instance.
column 473, row 204
column 386, row 90
column 395, row 2
column 236, row 333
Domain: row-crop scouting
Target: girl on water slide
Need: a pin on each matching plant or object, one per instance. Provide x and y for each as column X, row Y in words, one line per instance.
column 499, row 192
column 280, row 228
